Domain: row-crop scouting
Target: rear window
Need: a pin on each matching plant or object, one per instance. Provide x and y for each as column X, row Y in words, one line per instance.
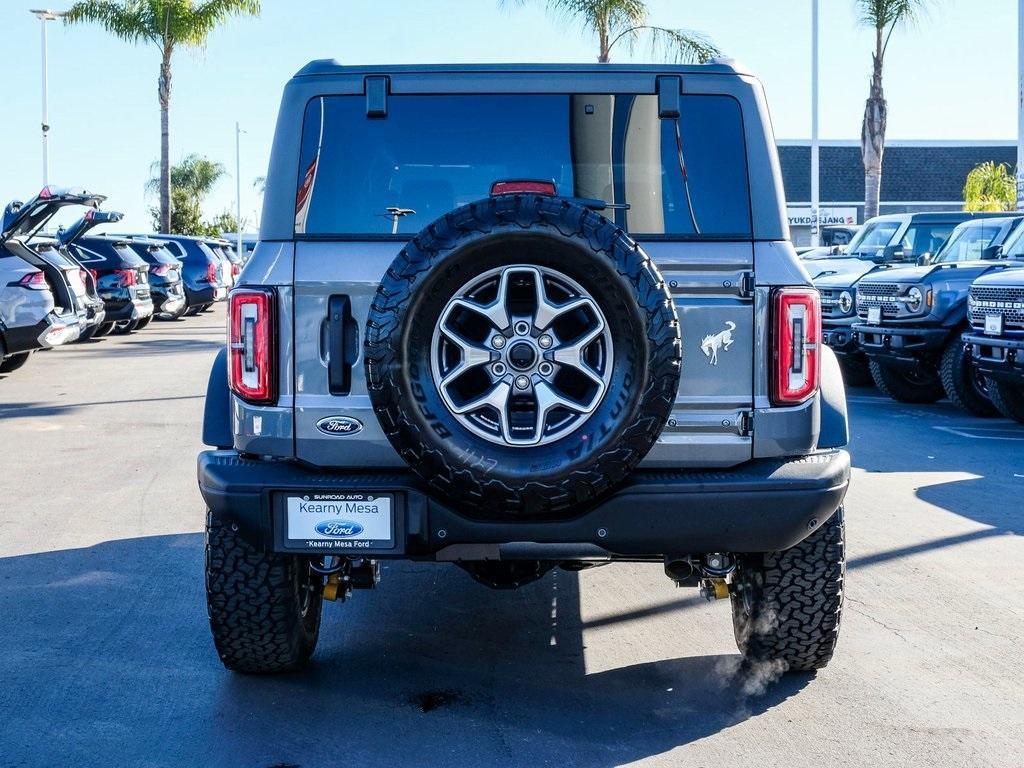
column 682, row 178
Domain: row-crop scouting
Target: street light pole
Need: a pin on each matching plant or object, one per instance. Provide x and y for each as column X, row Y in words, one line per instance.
column 815, row 192
column 238, row 184
column 1020, row 105
column 44, row 16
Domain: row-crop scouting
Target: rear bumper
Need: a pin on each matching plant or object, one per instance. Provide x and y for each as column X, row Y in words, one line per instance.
column 119, row 310
column 763, row 505
column 205, row 294
column 1000, row 358
column 900, row 343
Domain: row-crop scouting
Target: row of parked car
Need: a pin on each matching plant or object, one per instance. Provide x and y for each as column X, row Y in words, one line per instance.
column 77, row 285
column 929, row 306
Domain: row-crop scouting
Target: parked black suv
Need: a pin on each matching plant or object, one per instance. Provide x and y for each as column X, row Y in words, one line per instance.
column 165, row 283
column 516, row 318
column 122, row 279
column 202, row 271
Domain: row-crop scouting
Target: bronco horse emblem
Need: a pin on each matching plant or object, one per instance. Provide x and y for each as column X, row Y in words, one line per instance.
column 713, row 342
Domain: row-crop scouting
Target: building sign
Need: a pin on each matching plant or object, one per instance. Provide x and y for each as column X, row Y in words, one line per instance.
column 801, row 217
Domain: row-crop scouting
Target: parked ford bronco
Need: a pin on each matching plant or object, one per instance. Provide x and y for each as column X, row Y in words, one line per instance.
column 884, row 242
column 910, row 320
column 515, row 318
column 995, row 309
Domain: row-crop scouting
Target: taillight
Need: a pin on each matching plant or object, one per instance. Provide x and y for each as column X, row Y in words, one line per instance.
column 236, row 270
column 36, row 281
column 797, row 344
column 160, row 270
column 523, row 186
column 95, row 275
column 126, row 276
column 251, row 345
column 82, row 276
column 211, row 273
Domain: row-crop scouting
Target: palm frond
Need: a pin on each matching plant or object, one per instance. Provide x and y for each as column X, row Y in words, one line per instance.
column 881, row 14
column 201, row 20
column 128, row 20
column 675, row 46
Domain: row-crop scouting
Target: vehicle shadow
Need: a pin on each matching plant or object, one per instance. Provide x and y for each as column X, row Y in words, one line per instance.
column 108, row 660
column 982, row 494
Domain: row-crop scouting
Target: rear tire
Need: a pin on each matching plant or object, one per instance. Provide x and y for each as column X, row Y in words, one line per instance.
column 1008, row 399
column 906, row 387
column 193, row 311
column 123, row 327
column 140, row 324
column 264, row 616
column 102, row 330
column 963, row 384
column 786, row 606
column 13, row 362
column 855, row 371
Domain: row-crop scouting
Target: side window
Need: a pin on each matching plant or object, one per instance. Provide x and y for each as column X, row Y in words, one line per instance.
column 924, row 238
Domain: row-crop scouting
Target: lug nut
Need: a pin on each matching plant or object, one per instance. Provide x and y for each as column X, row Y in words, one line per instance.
column 522, row 328
column 544, row 341
column 545, row 369
column 498, row 341
column 498, row 369
column 522, row 382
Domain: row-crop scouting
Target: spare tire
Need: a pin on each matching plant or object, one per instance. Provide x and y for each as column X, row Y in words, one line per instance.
column 522, row 355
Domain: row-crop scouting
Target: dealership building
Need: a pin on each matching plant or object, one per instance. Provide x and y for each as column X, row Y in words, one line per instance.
column 916, row 176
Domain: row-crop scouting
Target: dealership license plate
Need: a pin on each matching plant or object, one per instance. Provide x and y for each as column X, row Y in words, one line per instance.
column 994, row 324
column 340, row 520
column 874, row 315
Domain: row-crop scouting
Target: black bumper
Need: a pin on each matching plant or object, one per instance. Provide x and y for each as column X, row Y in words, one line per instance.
column 839, row 337
column 764, row 505
column 1000, row 358
column 900, row 343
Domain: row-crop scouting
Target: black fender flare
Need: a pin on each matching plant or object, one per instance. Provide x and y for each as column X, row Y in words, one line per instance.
column 217, row 431
column 835, row 425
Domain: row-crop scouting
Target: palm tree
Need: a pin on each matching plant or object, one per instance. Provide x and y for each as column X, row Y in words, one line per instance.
column 616, row 21
column 990, row 187
column 191, row 181
column 167, row 24
column 883, row 16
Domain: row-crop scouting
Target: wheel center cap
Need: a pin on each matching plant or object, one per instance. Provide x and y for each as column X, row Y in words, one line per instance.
column 522, row 356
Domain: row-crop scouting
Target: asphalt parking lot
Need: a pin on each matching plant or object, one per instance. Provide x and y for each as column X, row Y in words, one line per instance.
column 106, row 657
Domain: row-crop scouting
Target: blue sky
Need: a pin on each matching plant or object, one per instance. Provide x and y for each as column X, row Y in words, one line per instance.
column 953, row 76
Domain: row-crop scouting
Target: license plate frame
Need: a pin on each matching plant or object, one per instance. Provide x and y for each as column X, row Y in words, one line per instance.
column 874, row 315
column 994, row 325
column 338, row 522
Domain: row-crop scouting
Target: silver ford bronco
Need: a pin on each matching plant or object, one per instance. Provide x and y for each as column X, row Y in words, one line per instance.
column 517, row 318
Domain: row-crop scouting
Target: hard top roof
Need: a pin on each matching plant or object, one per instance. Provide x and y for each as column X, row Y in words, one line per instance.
column 322, row 67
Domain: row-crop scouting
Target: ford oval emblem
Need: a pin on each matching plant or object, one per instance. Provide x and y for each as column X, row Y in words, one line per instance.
column 339, row 425
column 339, row 529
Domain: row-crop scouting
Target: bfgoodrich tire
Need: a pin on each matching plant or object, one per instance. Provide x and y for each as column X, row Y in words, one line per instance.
column 962, row 383
column 786, row 606
column 1008, row 399
column 516, row 453
column 921, row 386
column 264, row 615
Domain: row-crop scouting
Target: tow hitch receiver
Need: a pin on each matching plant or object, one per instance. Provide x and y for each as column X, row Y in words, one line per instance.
column 349, row 575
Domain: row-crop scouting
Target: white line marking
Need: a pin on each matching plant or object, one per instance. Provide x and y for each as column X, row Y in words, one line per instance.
column 961, row 433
